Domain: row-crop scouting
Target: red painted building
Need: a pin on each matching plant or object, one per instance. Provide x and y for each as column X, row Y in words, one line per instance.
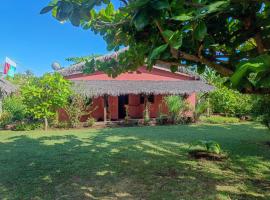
column 132, row 89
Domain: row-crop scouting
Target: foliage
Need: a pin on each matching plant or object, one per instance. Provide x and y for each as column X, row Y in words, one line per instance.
column 90, row 122
column 28, row 126
column 5, row 118
column 45, row 95
column 209, row 145
column 21, row 79
column 146, row 114
column 14, row 105
column 230, row 102
column 76, row 60
column 162, row 119
column 227, row 101
column 177, row 107
column 230, row 37
column 261, row 109
column 79, row 106
column 63, row 125
column 201, row 106
column 219, row 119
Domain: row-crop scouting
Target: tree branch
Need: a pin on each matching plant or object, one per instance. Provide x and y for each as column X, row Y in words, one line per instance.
column 179, row 54
column 259, row 42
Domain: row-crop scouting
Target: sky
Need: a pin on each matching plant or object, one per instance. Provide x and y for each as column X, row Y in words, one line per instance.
column 35, row 41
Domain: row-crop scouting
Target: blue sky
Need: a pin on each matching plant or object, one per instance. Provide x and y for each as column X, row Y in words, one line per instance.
column 34, row 41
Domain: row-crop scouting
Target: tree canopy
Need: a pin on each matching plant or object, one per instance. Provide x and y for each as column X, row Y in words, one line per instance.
column 230, row 36
column 45, row 95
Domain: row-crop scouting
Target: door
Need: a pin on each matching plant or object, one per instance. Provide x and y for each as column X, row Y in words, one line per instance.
column 122, row 101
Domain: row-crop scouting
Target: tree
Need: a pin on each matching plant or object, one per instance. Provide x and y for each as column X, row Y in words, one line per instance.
column 76, row 60
column 224, row 100
column 229, row 36
column 45, row 95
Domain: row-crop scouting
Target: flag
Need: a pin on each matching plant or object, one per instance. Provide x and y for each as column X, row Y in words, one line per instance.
column 9, row 67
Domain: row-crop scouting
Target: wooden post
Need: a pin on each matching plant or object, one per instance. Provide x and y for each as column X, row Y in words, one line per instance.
column 105, row 100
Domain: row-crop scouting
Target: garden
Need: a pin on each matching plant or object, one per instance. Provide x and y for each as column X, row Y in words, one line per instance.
column 221, row 153
column 217, row 149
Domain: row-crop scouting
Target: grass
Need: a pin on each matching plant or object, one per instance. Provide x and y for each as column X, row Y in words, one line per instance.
column 134, row 163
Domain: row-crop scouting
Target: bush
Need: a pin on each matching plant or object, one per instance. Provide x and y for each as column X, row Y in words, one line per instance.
column 78, row 106
column 230, row 102
column 219, row 120
column 90, row 122
column 162, row 119
column 208, row 145
column 28, row 126
column 176, row 107
column 14, row 105
column 5, row 119
column 63, row 125
column 261, row 109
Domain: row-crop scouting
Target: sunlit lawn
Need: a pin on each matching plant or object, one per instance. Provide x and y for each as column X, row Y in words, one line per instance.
column 134, row 163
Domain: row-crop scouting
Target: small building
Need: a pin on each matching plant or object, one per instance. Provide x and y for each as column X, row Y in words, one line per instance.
column 111, row 96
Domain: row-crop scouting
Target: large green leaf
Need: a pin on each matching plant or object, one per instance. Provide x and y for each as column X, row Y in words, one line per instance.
column 212, row 8
column 200, row 31
column 141, row 19
column 174, row 38
column 254, row 65
column 157, row 51
column 75, row 18
column 160, row 4
column 182, row 17
column 109, row 9
column 46, row 9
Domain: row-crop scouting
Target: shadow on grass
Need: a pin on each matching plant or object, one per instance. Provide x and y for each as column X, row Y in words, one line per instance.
column 135, row 163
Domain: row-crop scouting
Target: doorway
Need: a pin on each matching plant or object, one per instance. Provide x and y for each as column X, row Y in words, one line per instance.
column 122, row 101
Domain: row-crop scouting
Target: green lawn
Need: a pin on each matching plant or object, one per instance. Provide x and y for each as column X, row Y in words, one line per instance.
column 134, row 163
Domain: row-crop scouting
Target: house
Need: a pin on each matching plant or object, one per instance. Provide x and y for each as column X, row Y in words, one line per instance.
column 132, row 89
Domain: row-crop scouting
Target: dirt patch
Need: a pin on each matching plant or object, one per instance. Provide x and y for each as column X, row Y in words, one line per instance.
column 201, row 154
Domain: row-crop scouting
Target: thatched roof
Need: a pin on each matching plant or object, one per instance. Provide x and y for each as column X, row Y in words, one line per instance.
column 6, row 87
column 95, row 88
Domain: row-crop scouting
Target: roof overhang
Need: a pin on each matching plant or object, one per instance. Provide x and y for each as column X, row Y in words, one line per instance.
column 95, row 88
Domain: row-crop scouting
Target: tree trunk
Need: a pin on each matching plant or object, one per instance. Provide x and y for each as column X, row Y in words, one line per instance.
column 45, row 124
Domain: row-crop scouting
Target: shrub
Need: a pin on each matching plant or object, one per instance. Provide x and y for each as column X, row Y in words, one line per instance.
column 208, row 145
column 176, row 107
column 63, row 125
column 14, row 105
column 5, row 118
column 261, row 109
column 78, row 106
column 201, row 107
column 28, row 126
column 90, row 122
column 219, row 119
column 162, row 119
